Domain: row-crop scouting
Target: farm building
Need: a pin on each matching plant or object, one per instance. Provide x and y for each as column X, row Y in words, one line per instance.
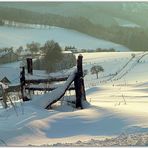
column 9, row 75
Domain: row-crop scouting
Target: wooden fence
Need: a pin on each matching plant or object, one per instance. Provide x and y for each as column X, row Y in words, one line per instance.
column 77, row 79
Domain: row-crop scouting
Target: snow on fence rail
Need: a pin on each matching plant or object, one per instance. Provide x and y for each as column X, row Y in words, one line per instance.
column 46, row 100
column 43, row 88
column 55, row 94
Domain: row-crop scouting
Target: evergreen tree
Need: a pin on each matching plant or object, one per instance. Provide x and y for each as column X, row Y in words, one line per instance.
column 53, row 55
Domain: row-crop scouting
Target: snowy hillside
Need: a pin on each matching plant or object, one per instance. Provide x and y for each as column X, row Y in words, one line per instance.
column 115, row 116
column 11, row 36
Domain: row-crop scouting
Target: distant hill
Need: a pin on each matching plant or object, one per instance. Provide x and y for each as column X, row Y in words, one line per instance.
column 120, row 22
column 103, row 13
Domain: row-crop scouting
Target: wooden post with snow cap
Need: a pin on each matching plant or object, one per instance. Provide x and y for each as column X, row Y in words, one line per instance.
column 29, row 65
column 79, row 83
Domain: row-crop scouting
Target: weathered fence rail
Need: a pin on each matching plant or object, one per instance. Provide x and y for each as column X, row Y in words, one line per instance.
column 60, row 91
column 45, row 88
column 46, row 100
column 15, row 88
column 49, row 80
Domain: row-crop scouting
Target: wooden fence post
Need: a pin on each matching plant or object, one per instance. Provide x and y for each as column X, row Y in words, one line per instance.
column 79, row 83
column 29, row 66
column 22, row 82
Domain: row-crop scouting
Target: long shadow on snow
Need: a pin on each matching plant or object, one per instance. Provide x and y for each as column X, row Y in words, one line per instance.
column 108, row 124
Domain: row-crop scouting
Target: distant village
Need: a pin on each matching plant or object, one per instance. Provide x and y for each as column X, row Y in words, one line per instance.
column 36, row 52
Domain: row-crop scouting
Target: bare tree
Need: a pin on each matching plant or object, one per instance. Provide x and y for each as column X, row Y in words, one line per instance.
column 33, row 47
column 96, row 70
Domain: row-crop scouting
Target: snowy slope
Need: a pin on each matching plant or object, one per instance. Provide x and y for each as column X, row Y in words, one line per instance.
column 16, row 37
column 117, row 107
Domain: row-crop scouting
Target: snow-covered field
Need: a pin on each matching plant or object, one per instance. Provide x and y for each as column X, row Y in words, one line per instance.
column 15, row 37
column 116, row 113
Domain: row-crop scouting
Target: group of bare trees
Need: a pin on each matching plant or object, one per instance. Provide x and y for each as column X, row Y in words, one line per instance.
column 33, row 47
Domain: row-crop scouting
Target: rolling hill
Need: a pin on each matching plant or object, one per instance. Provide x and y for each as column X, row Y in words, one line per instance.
column 103, row 13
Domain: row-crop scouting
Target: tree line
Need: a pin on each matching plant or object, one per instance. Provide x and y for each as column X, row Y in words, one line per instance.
column 50, row 57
